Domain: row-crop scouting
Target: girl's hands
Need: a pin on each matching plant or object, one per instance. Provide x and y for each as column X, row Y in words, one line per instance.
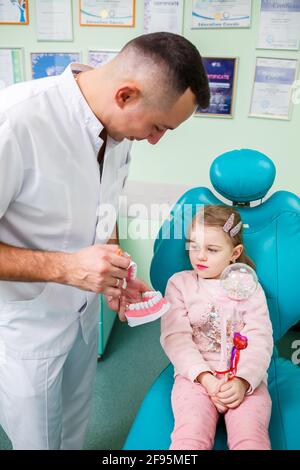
column 232, row 393
column 220, row 407
column 212, row 385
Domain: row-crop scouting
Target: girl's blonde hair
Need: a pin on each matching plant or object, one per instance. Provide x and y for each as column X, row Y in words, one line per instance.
column 217, row 216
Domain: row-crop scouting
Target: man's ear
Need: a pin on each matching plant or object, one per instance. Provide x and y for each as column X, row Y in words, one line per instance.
column 127, row 94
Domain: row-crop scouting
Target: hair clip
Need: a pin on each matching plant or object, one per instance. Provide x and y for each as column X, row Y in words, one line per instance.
column 236, row 229
column 227, row 227
column 229, row 223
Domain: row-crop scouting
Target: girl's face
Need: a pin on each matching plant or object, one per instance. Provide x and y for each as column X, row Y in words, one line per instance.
column 212, row 252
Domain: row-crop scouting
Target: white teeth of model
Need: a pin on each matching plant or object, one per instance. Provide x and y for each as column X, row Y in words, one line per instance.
column 149, row 294
column 130, row 307
column 151, row 303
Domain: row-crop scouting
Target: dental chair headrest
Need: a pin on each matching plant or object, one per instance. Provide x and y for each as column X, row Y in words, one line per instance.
column 242, row 176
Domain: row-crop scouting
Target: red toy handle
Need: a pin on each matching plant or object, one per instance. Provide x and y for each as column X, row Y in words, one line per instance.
column 239, row 342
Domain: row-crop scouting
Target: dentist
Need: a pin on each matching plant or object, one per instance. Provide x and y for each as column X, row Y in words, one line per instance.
column 64, row 159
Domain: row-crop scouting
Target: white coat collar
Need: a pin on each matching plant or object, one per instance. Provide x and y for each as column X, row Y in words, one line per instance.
column 72, row 95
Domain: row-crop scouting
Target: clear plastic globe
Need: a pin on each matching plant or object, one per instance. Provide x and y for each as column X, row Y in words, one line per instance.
column 239, row 281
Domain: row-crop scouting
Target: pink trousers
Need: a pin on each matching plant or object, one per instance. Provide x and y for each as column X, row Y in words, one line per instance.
column 196, row 418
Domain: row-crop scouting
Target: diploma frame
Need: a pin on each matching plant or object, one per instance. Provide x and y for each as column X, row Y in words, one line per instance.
column 208, row 26
column 180, row 11
column 229, row 115
column 274, row 116
column 22, row 61
column 58, row 40
column 271, row 48
column 101, row 51
column 19, row 22
column 113, row 25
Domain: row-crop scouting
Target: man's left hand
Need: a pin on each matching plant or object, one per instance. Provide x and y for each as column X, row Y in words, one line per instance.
column 132, row 294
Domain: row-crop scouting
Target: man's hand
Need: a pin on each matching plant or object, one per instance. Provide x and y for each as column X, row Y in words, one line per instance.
column 117, row 304
column 132, row 294
column 134, row 290
column 232, row 393
column 98, row 269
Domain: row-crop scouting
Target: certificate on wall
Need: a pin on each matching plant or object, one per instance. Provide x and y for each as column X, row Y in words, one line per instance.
column 98, row 58
column 54, row 20
column 11, row 66
column 14, row 12
column 46, row 64
column 221, row 73
column 107, row 13
column 279, row 25
column 163, row 15
column 272, row 89
column 221, row 14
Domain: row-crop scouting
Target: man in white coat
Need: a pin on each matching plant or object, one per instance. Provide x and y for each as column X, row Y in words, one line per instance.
column 64, row 155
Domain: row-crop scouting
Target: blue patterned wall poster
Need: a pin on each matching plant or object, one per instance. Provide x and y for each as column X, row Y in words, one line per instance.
column 46, row 64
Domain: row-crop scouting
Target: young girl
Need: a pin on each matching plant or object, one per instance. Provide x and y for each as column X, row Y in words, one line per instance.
column 191, row 337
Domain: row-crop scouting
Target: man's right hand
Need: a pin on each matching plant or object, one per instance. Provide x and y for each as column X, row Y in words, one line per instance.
column 97, row 268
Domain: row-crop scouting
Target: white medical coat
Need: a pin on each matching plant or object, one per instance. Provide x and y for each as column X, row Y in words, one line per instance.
column 50, row 194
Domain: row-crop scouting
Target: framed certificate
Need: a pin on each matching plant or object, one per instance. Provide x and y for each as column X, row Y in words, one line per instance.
column 163, row 15
column 279, row 26
column 46, row 64
column 221, row 73
column 221, row 13
column 273, row 88
column 54, row 20
column 107, row 13
column 98, row 58
column 11, row 66
column 14, row 12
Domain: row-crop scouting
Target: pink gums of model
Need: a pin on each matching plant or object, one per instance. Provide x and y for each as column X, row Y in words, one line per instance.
column 151, row 307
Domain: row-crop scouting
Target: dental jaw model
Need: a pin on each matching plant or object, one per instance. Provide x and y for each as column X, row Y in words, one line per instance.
column 151, row 307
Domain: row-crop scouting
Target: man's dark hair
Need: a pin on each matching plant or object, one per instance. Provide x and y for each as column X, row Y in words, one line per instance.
column 182, row 59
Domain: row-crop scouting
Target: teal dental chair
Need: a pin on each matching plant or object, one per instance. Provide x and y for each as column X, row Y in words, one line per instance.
column 272, row 239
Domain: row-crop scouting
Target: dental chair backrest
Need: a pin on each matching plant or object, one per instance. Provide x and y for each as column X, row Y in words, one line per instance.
column 271, row 231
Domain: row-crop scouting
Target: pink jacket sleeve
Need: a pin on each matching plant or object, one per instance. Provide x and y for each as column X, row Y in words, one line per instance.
column 255, row 359
column 176, row 334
